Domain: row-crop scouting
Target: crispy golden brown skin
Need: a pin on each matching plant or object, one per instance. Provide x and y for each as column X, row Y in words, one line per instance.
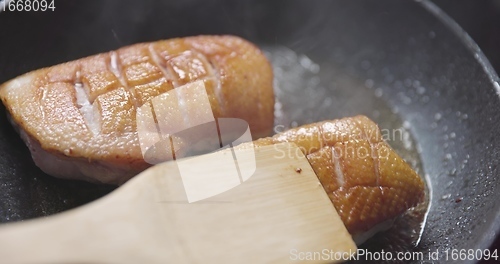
column 95, row 130
column 365, row 179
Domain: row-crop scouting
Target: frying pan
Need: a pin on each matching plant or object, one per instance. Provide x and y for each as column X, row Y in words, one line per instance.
column 405, row 64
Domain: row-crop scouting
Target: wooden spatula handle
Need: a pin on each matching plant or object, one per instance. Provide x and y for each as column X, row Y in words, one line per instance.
column 124, row 227
column 282, row 208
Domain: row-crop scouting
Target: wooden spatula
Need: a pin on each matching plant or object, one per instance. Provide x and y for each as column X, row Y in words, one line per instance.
column 281, row 214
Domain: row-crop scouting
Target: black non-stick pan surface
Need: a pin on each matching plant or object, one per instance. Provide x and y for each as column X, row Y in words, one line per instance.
column 402, row 63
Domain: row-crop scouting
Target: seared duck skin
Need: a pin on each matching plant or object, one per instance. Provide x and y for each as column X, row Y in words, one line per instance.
column 79, row 118
column 366, row 180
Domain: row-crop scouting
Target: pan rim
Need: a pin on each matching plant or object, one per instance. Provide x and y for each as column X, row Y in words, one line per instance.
column 493, row 77
column 466, row 39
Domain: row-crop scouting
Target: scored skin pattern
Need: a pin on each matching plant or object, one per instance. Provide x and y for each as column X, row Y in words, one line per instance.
column 366, row 180
column 237, row 76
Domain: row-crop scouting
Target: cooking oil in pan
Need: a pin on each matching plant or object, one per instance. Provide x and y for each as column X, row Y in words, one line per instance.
column 308, row 92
